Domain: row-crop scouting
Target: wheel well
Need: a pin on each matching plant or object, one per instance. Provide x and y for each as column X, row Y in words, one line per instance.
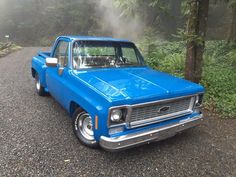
column 73, row 107
column 33, row 71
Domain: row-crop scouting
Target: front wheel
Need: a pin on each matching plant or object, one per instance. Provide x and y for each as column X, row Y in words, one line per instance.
column 39, row 88
column 83, row 128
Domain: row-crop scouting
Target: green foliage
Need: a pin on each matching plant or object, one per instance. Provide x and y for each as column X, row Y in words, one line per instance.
column 160, row 5
column 221, row 93
column 163, row 55
column 219, row 76
column 129, row 8
column 183, row 35
column 7, row 47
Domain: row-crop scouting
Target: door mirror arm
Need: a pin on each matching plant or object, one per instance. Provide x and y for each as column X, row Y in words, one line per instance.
column 60, row 70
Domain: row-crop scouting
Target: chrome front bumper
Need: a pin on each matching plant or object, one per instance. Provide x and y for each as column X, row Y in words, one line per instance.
column 155, row 134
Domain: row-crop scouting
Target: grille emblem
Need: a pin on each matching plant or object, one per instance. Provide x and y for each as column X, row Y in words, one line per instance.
column 163, row 109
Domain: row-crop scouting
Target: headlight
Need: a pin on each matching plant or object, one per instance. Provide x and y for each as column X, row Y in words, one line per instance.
column 116, row 115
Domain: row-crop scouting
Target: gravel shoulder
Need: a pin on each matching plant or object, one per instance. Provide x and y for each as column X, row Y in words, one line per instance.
column 36, row 138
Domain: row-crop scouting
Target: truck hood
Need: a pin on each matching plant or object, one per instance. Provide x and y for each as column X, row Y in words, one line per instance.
column 136, row 84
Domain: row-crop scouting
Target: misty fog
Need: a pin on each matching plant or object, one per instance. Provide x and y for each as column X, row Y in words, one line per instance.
column 39, row 22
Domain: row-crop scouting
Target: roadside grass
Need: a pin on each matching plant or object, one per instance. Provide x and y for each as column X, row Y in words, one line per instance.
column 7, row 48
column 219, row 70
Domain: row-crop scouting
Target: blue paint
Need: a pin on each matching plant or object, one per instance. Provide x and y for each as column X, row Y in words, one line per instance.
column 98, row 89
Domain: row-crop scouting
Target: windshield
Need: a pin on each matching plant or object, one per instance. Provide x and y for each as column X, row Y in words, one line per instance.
column 94, row 54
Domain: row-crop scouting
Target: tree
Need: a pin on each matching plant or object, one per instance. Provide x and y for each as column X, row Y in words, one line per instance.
column 232, row 30
column 196, row 32
column 162, row 15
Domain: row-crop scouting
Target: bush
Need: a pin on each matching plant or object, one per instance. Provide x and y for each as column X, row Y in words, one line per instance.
column 219, row 66
column 6, row 48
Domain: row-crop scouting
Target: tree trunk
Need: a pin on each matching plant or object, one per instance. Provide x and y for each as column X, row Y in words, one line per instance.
column 232, row 33
column 202, row 26
column 196, row 28
column 176, row 15
column 191, row 44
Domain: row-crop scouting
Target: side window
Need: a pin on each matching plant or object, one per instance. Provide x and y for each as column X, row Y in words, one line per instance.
column 130, row 55
column 61, row 53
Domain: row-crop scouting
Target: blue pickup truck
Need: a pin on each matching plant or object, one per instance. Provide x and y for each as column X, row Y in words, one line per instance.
column 113, row 98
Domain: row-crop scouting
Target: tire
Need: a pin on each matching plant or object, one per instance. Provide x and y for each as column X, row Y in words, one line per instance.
column 83, row 128
column 39, row 88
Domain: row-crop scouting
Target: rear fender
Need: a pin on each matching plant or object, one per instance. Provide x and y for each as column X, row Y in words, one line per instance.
column 39, row 67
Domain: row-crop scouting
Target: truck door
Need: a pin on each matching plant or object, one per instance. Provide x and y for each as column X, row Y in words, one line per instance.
column 56, row 76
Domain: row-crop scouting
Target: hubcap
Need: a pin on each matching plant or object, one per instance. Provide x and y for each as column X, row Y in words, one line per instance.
column 37, row 84
column 85, row 126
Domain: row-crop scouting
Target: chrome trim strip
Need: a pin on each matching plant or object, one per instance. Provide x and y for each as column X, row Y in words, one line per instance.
column 129, row 108
column 154, row 102
column 156, row 134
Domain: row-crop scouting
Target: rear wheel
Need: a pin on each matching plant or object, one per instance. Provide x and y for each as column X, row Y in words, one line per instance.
column 39, row 88
column 83, row 128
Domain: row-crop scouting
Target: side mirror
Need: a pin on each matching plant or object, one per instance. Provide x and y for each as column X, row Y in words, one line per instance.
column 51, row 62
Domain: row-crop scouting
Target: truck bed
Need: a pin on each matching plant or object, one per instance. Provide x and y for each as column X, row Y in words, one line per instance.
column 44, row 54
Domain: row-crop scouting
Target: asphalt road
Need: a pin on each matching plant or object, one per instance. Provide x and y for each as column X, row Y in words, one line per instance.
column 36, row 138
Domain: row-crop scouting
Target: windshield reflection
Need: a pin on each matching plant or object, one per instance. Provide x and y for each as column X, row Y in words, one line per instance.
column 103, row 54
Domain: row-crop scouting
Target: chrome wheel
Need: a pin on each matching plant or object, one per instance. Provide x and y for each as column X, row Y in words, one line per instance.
column 38, row 87
column 37, row 84
column 83, row 128
column 84, row 125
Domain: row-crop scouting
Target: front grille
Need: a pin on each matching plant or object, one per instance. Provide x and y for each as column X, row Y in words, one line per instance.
column 143, row 113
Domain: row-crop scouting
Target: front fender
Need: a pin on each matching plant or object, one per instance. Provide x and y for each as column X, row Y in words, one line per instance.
column 96, row 105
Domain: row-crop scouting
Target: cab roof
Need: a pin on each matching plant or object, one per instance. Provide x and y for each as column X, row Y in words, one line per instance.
column 94, row 38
